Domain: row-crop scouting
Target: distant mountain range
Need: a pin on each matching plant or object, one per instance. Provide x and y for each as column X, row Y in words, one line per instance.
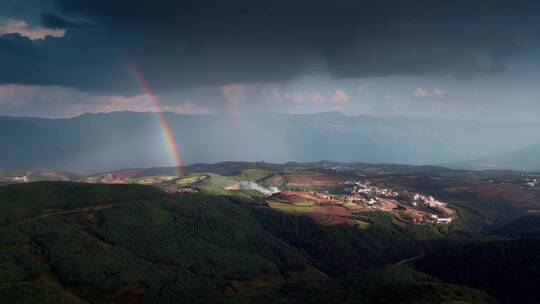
column 102, row 142
column 526, row 159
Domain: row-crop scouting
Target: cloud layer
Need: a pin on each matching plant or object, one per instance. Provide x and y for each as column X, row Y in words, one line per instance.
column 181, row 44
column 20, row 27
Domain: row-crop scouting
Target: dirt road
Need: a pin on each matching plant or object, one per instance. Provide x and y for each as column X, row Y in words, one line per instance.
column 408, row 260
column 70, row 211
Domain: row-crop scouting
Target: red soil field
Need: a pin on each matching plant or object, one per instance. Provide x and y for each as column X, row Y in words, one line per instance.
column 514, row 194
column 127, row 174
column 332, row 215
column 302, row 196
column 324, row 215
column 332, row 210
column 129, row 294
column 232, row 187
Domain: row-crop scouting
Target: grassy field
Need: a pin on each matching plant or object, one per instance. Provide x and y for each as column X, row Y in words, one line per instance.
column 255, row 175
column 305, row 203
column 290, row 207
column 349, row 205
column 190, row 179
column 362, row 224
column 216, row 180
column 149, row 180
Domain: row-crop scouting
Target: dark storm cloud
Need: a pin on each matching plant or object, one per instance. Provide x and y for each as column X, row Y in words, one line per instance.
column 54, row 21
column 203, row 42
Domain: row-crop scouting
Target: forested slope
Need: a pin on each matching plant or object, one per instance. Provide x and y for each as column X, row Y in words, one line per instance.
column 145, row 246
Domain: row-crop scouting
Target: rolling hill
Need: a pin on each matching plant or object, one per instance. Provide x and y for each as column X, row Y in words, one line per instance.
column 73, row 242
column 66, row 242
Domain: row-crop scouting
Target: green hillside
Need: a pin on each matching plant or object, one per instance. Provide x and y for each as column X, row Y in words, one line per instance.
column 136, row 244
column 20, row 201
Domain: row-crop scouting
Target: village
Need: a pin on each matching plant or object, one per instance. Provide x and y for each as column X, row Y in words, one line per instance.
column 530, row 181
column 360, row 198
column 421, row 208
column 16, row 179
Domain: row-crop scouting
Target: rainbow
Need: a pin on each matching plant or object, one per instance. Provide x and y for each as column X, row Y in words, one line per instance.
column 168, row 135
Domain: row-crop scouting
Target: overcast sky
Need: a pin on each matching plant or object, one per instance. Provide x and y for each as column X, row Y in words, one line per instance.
column 459, row 59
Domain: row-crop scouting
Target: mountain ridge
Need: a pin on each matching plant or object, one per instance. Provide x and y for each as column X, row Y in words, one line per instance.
column 108, row 141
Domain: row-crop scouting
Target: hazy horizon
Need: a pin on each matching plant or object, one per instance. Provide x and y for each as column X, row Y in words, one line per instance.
column 119, row 140
column 457, row 119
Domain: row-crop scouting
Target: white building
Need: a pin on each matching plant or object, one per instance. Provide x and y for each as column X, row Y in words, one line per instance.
column 444, row 220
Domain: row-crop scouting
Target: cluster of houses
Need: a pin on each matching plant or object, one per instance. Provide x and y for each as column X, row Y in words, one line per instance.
column 531, row 181
column 367, row 193
column 17, row 179
column 370, row 194
column 441, row 220
column 367, row 188
column 429, row 201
